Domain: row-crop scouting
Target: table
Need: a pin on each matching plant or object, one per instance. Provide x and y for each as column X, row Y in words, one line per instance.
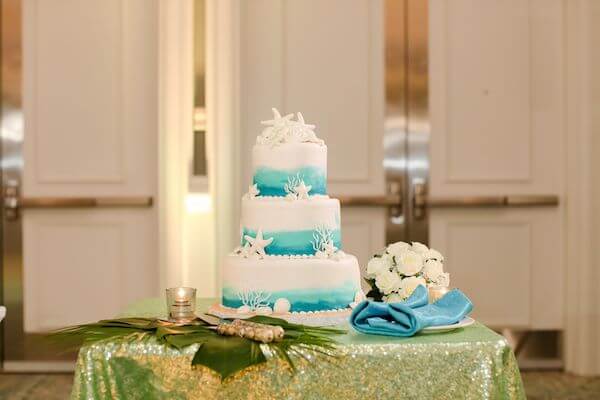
column 470, row 363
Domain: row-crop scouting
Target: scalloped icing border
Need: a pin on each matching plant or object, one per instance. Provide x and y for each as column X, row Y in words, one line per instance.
column 291, row 256
column 286, row 199
column 310, row 318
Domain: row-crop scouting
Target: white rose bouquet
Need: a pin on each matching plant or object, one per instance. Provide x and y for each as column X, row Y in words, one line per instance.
column 396, row 273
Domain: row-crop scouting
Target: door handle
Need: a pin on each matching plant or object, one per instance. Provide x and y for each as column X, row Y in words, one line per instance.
column 392, row 200
column 389, row 200
column 13, row 202
column 421, row 201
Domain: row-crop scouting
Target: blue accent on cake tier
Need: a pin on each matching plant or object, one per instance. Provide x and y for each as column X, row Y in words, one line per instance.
column 303, row 299
column 292, row 242
column 271, row 182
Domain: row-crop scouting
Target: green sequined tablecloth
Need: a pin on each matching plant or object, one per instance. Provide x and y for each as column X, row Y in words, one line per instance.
column 470, row 363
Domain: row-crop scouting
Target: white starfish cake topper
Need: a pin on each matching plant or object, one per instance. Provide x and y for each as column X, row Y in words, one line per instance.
column 283, row 129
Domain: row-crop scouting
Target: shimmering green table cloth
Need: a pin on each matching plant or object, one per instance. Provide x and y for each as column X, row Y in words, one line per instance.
column 470, row 363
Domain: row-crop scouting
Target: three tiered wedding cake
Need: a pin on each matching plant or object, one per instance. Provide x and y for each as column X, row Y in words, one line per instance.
column 290, row 259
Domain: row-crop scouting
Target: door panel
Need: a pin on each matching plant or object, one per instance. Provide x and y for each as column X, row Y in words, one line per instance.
column 89, row 94
column 85, row 265
column 502, row 260
column 292, row 59
column 497, row 116
column 363, row 232
column 496, row 98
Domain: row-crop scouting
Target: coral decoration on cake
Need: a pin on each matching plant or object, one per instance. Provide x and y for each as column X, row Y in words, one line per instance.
column 252, row 191
column 323, row 244
column 254, row 301
column 396, row 273
column 283, row 129
column 255, row 245
column 296, row 189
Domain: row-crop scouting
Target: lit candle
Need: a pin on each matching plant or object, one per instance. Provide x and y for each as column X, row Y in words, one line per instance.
column 181, row 304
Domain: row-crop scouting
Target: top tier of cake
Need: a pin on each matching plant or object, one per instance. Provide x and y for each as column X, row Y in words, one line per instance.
column 277, row 169
column 286, row 154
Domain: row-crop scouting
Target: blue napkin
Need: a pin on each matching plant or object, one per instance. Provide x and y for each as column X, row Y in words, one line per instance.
column 408, row 317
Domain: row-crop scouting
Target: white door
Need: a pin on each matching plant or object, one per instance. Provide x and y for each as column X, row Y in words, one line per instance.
column 90, row 135
column 497, row 106
column 324, row 59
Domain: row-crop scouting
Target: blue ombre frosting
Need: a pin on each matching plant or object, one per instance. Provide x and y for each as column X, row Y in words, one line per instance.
column 271, row 182
column 318, row 299
column 292, row 242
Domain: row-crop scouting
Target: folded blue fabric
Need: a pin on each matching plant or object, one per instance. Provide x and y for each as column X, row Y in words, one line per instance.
column 408, row 317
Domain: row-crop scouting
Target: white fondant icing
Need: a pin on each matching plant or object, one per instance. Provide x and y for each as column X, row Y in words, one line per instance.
column 282, row 305
column 276, row 215
column 272, row 274
column 290, row 156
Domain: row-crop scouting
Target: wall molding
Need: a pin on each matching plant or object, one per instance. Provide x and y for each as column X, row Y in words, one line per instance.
column 223, row 122
column 175, row 121
column 582, row 350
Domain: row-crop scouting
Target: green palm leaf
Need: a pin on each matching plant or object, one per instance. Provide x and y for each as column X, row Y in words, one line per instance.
column 223, row 354
column 228, row 355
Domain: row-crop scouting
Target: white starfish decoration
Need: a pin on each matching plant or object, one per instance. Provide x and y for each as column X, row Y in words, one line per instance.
column 278, row 121
column 303, row 132
column 253, row 191
column 302, row 190
column 284, row 129
column 328, row 251
column 258, row 243
column 245, row 251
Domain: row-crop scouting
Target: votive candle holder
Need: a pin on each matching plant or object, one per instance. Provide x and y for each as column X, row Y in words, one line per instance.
column 181, row 304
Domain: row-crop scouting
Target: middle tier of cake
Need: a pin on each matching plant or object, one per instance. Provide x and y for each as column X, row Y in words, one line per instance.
column 297, row 227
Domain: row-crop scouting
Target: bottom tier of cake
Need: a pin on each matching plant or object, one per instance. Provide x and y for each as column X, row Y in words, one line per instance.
column 290, row 284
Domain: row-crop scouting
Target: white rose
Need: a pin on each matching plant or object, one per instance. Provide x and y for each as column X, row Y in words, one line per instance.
column 443, row 280
column 388, row 259
column 395, row 249
column 432, row 254
column 409, row 263
column 419, row 247
column 387, row 282
column 433, row 269
column 376, row 266
column 393, row 298
column 408, row 285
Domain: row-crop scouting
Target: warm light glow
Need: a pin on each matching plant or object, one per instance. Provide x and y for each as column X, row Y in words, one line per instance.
column 180, row 293
column 198, row 203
